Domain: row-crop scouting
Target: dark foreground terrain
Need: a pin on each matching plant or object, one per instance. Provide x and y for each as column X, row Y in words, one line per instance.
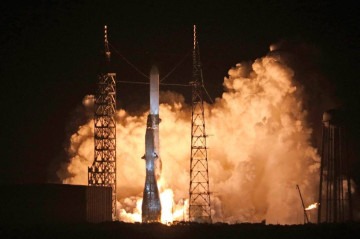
column 128, row 230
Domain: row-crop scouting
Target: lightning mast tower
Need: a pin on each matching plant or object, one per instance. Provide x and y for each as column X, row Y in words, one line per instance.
column 199, row 194
column 103, row 170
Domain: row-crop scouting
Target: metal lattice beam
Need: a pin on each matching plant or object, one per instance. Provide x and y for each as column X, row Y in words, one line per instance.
column 199, row 194
column 103, row 170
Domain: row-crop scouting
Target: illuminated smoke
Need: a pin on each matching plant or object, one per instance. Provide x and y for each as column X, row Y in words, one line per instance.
column 258, row 152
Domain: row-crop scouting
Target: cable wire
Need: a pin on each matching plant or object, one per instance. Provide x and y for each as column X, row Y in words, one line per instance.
column 207, row 93
column 142, row 73
column 133, row 82
column 127, row 61
column 175, row 67
column 147, row 83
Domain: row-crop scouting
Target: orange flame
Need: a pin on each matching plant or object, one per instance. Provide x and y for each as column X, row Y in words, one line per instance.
column 170, row 210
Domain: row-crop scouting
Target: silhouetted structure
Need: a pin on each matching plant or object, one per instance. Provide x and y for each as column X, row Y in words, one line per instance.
column 335, row 185
column 103, row 170
column 54, row 203
column 306, row 218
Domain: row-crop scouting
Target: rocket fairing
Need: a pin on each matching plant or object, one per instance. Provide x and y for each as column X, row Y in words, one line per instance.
column 154, row 91
column 151, row 207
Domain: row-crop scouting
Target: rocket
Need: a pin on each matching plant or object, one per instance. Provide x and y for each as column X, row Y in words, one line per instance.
column 151, row 207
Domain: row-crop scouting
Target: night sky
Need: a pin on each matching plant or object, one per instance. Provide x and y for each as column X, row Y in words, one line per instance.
column 51, row 50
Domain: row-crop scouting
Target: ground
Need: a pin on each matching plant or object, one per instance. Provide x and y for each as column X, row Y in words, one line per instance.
column 218, row 230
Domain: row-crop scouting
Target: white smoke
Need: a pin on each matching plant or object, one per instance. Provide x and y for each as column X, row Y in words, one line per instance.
column 260, row 149
column 262, row 144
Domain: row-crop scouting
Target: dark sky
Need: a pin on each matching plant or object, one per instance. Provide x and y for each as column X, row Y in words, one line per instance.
column 50, row 54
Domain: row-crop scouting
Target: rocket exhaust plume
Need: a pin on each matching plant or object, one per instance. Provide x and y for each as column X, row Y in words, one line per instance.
column 151, row 208
column 260, row 149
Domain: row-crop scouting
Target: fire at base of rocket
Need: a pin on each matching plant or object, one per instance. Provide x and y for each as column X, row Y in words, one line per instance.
column 151, row 207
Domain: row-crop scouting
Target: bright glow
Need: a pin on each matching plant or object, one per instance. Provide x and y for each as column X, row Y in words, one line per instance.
column 259, row 151
column 312, row 206
column 170, row 211
column 167, row 205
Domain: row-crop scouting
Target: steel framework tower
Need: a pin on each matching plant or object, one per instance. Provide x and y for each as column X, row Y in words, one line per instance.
column 199, row 194
column 335, row 186
column 103, row 170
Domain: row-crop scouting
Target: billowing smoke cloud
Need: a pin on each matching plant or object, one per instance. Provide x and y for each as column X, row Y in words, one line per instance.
column 262, row 144
column 259, row 149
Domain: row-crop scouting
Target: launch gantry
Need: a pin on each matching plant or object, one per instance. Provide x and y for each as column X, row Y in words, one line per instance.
column 103, row 170
column 199, row 194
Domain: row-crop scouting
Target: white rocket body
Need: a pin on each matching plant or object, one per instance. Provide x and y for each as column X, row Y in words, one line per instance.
column 151, row 206
column 154, row 111
column 154, row 91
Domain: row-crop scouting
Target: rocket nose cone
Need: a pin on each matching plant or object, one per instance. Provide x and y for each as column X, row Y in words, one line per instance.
column 154, row 70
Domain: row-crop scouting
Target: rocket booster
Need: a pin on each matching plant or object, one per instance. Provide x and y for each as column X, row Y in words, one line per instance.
column 151, row 207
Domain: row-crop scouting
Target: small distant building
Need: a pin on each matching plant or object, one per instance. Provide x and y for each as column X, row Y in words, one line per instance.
column 54, row 203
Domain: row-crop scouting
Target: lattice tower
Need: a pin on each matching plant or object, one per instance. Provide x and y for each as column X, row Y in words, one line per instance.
column 103, row 170
column 199, row 194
